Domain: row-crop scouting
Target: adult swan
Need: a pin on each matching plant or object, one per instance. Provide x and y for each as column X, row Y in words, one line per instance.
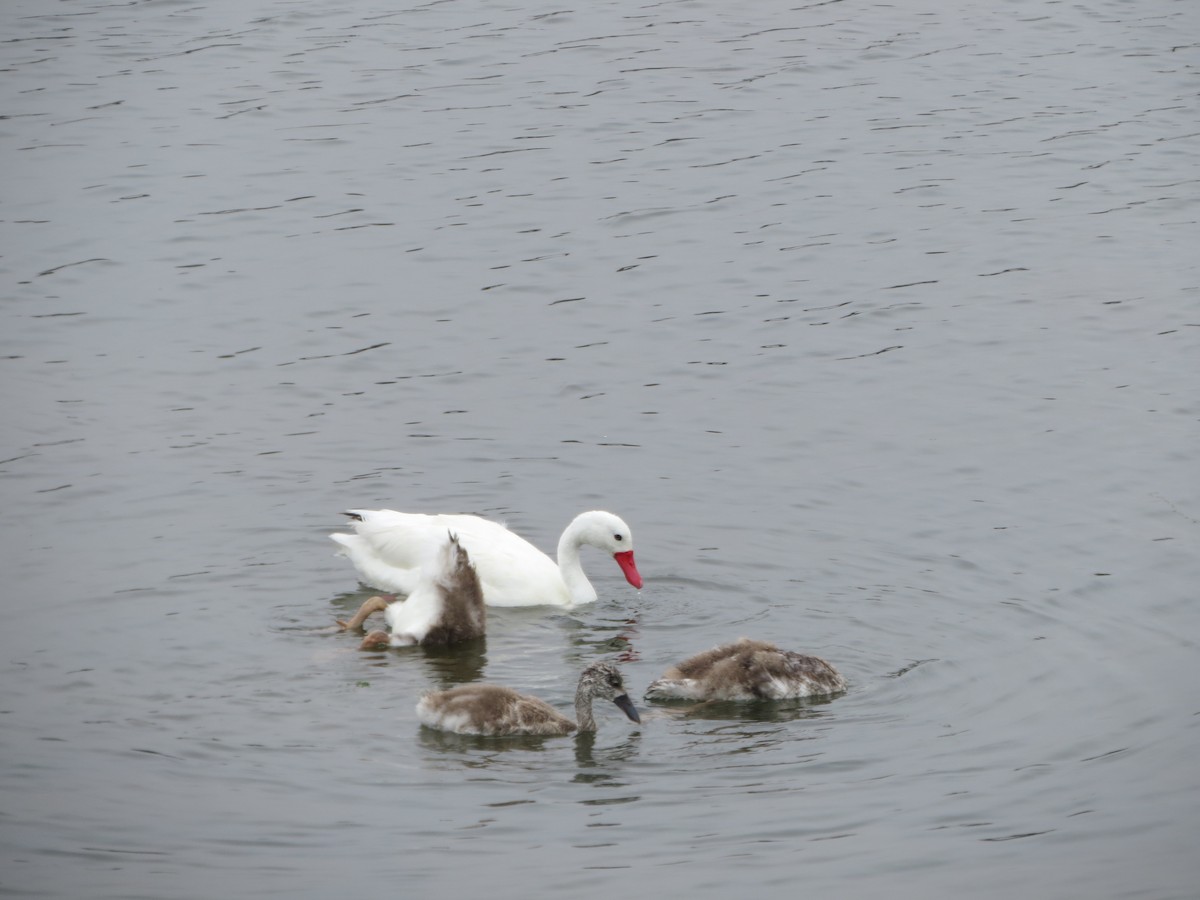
column 388, row 548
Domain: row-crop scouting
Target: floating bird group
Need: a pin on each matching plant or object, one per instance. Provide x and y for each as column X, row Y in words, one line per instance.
column 451, row 567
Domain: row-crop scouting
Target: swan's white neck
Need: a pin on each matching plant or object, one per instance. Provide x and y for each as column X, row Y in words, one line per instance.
column 570, row 568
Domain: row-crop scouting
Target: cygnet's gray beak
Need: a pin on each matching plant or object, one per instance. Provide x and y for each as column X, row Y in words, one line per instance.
column 626, row 706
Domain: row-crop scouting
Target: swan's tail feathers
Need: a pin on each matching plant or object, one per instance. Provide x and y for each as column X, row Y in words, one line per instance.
column 372, row 570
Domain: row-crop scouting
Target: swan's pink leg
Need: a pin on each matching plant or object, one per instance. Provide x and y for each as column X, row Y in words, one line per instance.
column 369, row 607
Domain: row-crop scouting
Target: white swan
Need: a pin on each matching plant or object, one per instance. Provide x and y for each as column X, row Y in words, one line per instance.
column 747, row 670
column 388, row 546
column 490, row 709
column 445, row 607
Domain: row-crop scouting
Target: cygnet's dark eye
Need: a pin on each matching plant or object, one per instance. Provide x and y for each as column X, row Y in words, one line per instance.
column 614, row 680
column 617, row 537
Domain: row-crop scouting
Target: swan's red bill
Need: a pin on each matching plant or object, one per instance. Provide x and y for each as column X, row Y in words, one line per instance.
column 629, row 567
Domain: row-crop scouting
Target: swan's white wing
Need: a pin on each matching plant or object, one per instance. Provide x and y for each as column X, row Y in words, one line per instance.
column 388, row 548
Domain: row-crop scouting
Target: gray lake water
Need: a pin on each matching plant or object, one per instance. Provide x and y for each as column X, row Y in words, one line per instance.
column 879, row 324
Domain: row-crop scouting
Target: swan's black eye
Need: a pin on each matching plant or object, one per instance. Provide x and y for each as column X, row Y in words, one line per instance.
column 617, row 537
column 614, row 681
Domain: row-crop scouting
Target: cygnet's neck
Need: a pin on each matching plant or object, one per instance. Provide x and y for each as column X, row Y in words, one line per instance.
column 583, row 710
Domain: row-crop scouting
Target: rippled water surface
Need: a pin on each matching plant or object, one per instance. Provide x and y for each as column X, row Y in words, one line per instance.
column 878, row 323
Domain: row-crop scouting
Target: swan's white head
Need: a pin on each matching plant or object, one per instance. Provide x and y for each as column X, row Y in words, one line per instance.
column 610, row 533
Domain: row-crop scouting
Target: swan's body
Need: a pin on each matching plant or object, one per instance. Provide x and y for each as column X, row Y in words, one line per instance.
column 388, row 546
column 747, row 670
column 488, row 709
column 445, row 606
